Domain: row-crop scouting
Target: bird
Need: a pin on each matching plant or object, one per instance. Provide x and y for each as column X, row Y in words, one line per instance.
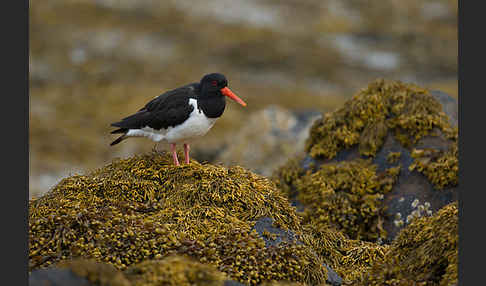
column 179, row 115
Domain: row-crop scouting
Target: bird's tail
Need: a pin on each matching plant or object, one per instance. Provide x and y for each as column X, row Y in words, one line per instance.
column 121, row 138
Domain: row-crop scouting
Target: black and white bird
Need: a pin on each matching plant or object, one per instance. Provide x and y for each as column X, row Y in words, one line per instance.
column 179, row 115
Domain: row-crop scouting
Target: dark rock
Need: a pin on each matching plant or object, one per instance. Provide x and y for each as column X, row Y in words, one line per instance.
column 410, row 186
column 56, row 277
column 265, row 224
column 401, row 146
column 232, row 283
column 332, row 277
column 449, row 105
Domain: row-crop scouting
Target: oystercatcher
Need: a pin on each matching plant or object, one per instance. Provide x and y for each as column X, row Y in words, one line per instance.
column 179, row 115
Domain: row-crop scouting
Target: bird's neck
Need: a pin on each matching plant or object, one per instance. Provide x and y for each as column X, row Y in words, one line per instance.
column 212, row 105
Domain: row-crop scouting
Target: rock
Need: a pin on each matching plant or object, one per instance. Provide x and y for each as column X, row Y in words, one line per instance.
column 78, row 272
column 232, row 283
column 268, row 139
column 332, row 277
column 56, row 277
column 143, row 208
column 449, row 105
column 389, row 154
column 424, row 252
column 273, row 236
column 174, row 270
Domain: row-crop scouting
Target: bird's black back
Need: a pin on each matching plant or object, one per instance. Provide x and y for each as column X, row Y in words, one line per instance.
column 169, row 109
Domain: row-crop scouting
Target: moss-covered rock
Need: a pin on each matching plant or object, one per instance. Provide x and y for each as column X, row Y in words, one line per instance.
column 407, row 110
column 174, row 270
column 350, row 258
column 424, row 253
column 144, row 208
column 388, row 154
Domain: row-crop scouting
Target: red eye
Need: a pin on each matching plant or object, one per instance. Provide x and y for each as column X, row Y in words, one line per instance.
column 214, row 83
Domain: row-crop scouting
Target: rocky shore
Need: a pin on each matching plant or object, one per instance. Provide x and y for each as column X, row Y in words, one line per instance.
column 371, row 199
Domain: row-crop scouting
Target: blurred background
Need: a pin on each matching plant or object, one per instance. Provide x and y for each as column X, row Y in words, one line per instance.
column 93, row 62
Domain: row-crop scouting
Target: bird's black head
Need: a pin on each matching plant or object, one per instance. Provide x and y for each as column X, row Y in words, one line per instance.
column 216, row 84
column 213, row 82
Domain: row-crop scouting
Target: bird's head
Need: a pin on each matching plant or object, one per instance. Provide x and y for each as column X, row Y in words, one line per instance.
column 216, row 83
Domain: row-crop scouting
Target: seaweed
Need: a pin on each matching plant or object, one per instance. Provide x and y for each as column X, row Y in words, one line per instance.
column 424, row 253
column 407, row 110
column 348, row 196
column 174, row 270
column 144, row 207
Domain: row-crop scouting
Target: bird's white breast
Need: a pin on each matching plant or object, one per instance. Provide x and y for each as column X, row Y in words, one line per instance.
column 195, row 126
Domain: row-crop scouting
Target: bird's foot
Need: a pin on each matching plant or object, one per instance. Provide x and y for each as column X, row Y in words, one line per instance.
column 174, row 154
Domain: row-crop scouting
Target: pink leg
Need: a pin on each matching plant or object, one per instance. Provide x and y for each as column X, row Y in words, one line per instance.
column 174, row 154
column 186, row 152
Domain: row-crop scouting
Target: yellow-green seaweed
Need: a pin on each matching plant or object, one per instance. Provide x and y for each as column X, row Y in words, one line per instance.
column 102, row 274
column 440, row 167
column 174, row 270
column 393, row 157
column 144, row 207
column 424, row 253
column 407, row 110
column 347, row 195
column 350, row 258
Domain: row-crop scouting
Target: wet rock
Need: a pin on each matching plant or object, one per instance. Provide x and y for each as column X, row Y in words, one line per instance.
column 412, row 194
column 135, row 211
column 273, row 236
column 449, row 105
column 407, row 137
column 425, row 252
column 232, row 283
column 332, row 277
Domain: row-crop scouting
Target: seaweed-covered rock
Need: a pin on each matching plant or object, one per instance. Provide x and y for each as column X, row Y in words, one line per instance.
column 268, row 138
column 78, row 272
column 388, row 155
column 144, row 208
column 349, row 258
column 172, row 270
column 175, row 270
column 424, row 253
column 273, row 236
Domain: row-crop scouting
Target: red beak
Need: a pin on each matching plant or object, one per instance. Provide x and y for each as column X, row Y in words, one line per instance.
column 227, row 92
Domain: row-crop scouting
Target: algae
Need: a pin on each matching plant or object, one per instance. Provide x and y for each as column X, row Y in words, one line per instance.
column 393, row 157
column 440, row 167
column 102, row 274
column 407, row 110
column 144, row 207
column 424, row 253
column 348, row 196
column 174, row 270
column 282, row 283
column 348, row 257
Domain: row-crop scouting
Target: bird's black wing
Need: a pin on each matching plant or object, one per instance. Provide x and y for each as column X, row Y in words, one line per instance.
column 168, row 109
